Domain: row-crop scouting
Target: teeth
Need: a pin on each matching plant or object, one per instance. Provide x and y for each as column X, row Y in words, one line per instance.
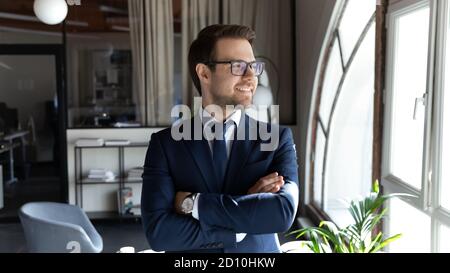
column 244, row 89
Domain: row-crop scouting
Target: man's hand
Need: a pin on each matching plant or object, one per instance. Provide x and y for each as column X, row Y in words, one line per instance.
column 179, row 197
column 269, row 183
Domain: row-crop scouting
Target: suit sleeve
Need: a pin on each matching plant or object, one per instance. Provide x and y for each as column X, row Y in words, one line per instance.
column 261, row 212
column 164, row 228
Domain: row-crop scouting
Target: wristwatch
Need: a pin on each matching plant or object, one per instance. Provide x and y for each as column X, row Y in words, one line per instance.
column 188, row 203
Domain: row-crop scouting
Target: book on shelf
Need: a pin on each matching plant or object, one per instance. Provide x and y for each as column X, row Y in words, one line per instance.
column 89, row 142
column 127, row 124
column 125, row 201
column 136, row 210
column 87, row 180
column 98, row 175
column 98, row 171
column 133, row 179
column 135, row 173
column 116, row 142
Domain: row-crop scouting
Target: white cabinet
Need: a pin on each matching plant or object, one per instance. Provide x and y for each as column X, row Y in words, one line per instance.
column 100, row 200
column 89, row 158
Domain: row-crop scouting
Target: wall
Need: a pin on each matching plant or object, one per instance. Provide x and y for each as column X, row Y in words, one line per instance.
column 312, row 23
column 25, row 36
column 31, row 77
column 391, row 2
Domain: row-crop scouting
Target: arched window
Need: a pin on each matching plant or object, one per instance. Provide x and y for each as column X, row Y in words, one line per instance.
column 342, row 122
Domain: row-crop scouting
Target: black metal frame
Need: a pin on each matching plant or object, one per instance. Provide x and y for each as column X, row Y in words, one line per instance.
column 78, row 158
column 232, row 62
column 56, row 50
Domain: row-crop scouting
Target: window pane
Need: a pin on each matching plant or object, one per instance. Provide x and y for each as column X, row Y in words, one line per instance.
column 103, row 92
column 409, row 83
column 349, row 161
column 413, row 224
column 445, row 178
column 318, row 165
column 444, row 239
column 333, row 74
column 355, row 18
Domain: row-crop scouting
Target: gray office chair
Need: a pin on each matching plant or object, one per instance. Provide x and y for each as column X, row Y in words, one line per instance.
column 58, row 227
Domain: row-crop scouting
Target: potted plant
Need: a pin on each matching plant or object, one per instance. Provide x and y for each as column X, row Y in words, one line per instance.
column 358, row 237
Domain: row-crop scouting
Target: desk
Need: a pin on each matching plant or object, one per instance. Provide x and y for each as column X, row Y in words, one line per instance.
column 8, row 143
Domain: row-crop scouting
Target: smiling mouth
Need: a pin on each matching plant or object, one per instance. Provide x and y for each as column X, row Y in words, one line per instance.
column 244, row 89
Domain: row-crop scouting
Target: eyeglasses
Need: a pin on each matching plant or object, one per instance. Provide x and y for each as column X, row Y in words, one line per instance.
column 239, row 68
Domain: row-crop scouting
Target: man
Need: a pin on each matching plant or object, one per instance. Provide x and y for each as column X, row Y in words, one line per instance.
column 226, row 193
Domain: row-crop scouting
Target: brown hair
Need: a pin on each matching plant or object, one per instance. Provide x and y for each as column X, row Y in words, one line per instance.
column 202, row 49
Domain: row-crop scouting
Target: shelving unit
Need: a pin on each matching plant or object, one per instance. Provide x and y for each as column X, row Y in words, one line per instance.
column 121, row 179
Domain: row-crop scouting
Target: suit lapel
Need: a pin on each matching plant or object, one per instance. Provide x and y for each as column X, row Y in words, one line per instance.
column 201, row 153
column 240, row 151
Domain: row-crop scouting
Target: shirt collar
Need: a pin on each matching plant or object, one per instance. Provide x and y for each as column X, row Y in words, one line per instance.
column 206, row 117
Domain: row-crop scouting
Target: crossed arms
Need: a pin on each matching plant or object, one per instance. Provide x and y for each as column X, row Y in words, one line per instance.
column 269, row 206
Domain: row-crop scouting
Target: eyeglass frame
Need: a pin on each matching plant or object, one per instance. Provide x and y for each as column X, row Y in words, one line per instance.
column 238, row 61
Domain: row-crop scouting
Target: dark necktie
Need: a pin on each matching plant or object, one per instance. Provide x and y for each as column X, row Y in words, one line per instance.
column 220, row 153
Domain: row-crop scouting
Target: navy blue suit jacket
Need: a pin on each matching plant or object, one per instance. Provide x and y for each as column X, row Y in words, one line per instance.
column 224, row 208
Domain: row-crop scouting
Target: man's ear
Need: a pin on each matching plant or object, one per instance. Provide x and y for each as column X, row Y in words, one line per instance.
column 203, row 72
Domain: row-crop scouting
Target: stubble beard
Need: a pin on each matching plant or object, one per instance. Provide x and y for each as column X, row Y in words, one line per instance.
column 224, row 101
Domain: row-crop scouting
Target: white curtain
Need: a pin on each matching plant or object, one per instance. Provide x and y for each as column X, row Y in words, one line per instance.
column 196, row 14
column 136, row 19
column 159, row 34
column 242, row 12
column 271, row 21
column 151, row 29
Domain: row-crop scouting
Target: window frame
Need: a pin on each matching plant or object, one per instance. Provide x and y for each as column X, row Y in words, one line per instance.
column 388, row 179
column 429, row 195
column 443, row 41
column 313, row 210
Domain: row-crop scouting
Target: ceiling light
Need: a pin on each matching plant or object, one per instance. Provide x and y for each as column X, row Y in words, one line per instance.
column 51, row 12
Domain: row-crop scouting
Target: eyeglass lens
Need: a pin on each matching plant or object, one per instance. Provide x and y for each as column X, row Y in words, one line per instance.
column 239, row 68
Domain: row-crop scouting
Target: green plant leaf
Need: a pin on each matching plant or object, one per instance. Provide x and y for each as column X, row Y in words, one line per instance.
column 387, row 241
column 315, row 243
column 376, row 187
column 375, row 242
column 358, row 236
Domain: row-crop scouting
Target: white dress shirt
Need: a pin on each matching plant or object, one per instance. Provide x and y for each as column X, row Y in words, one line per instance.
column 207, row 121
